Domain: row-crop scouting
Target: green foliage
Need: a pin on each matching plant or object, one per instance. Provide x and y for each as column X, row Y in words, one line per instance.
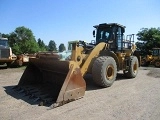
column 62, row 47
column 148, row 39
column 41, row 44
column 5, row 35
column 22, row 41
column 52, row 46
column 16, row 49
column 12, row 39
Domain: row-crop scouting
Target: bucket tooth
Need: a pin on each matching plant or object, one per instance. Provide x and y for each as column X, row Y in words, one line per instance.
column 21, row 91
column 27, row 93
column 32, row 96
column 36, row 99
column 54, row 105
column 41, row 103
column 44, row 96
column 44, row 102
column 33, row 91
column 49, row 100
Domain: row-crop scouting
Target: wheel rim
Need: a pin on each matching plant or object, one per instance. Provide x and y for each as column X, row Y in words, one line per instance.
column 157, row 63
column 135, row 67
column 110, row 72
column 142, row 62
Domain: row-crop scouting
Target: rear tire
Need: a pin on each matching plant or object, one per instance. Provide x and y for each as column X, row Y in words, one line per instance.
column 157, row 63
column 144, row 62
column 104, row 71
column 19, row 63
column 133, row 68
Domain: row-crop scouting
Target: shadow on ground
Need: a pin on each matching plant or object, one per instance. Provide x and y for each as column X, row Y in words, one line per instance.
column 92, row 86
column 18, row 94
column 3, row 67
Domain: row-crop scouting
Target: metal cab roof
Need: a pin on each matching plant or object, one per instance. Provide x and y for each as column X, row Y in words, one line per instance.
column 156, row 48
column 3, row 38
column 109, row 24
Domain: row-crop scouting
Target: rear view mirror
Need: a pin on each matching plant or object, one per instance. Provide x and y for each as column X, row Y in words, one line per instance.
column 93, row 33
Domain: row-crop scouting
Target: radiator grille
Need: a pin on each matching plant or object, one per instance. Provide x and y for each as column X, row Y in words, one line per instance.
column 4, row 53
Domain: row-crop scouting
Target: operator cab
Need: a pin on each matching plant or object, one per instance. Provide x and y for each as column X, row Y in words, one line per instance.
column 4, row 42
column 156, row 51
column 113, row 34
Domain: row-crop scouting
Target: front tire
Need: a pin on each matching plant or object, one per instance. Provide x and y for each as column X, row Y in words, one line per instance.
column 19, row 63
column 133, row 67
column 104, row 71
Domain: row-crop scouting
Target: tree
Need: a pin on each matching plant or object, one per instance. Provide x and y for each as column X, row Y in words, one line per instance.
column 41, row 44
column 148, row 39
column 52, row 46
column 4, row 35
column 22, row 41
column 62, row 47
column 12, row 39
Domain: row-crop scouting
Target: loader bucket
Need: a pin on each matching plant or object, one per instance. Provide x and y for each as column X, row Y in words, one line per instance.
column 52, row 81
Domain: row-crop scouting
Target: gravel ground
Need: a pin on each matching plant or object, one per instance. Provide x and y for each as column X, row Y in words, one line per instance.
column 126, row 99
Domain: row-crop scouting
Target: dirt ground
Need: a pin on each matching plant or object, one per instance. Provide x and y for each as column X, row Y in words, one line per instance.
column 126, row 99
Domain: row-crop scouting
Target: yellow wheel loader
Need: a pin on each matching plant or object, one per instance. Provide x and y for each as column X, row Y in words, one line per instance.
column 153, row 59
column 156, row 57
column 146, row 60
column 6, row 55
column 10, row 59
column 56, row 82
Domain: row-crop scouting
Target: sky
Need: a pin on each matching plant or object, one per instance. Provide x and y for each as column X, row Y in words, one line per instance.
column 68, row 20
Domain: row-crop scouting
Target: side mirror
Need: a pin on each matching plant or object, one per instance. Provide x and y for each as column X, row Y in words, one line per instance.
column 93, row 42
column 93, row 33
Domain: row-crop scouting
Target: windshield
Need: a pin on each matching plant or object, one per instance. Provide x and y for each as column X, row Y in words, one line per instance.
column 103, row 34
column 4, row 42
column 156, row 52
